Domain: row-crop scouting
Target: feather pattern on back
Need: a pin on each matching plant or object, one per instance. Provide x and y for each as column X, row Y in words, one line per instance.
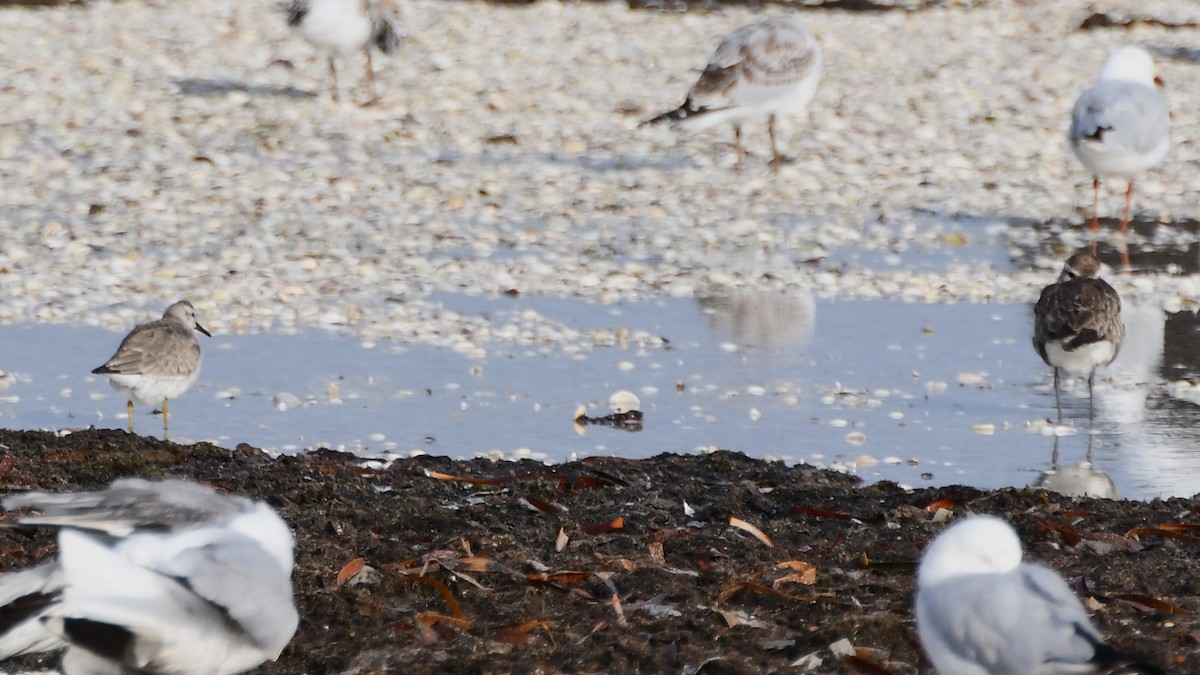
column 766, row 67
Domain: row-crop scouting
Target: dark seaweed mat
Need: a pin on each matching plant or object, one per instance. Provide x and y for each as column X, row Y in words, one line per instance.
column 401, row 517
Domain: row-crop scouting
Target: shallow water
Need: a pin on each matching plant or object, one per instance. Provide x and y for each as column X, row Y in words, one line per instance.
column 919, row 394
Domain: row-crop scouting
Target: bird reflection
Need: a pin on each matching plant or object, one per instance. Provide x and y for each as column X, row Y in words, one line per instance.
column 1077, row 480
column 1135, row 371
column 630, row 420
column 770, row 320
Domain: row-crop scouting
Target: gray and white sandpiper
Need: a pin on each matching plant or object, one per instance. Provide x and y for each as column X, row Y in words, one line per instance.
column 157, row 361
column 346, row 27
column 1077, row 324
column 1119, row 126
column 764, row 69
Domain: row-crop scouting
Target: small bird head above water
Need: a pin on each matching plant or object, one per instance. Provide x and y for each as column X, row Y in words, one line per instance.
column 1082, row 265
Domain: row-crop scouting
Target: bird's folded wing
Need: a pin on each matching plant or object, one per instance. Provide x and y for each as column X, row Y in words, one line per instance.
column 23, row 598
column 246, row 583
column 1124, row 115
column 127, row 506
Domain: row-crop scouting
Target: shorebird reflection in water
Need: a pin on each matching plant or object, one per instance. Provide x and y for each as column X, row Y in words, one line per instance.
column 1077, row 325
column 1080, row 479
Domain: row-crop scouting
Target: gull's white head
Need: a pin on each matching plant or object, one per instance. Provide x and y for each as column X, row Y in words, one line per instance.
column 977, row 545
column 1129, row 63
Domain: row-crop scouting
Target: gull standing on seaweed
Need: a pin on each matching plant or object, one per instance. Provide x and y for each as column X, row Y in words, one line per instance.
column 157, row 361
column 766, row 69
column 982, row 611
column 344, row 27
column 153, row 577
column 1119, row 126
column 1077, row 324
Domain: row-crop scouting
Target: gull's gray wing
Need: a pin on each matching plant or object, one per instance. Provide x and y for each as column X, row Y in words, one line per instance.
column 129, row 505
column 1120, row 114
column 1024, row 622
column 246, row 584
column 23, row 597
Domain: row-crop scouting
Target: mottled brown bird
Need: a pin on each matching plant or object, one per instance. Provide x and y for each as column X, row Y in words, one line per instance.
column 1077, row 324
column 765, row 69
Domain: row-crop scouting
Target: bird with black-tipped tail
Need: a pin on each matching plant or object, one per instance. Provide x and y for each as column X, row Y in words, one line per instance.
column 1119, row 126
column 153, row 578
column 982, row 611
column 765, row 69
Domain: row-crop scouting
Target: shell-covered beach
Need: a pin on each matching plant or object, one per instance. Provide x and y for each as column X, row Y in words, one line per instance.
column 152, row 151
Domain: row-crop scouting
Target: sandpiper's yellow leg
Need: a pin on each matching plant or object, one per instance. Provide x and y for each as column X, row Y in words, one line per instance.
column 164, row 419
column 129, row 413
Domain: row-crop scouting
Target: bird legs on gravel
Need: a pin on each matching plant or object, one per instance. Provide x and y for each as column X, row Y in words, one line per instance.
column 740, row 150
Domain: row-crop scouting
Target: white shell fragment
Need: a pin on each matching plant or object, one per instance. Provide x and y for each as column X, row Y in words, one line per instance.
column 624, row 401
column 972, row 379
column 984, row 428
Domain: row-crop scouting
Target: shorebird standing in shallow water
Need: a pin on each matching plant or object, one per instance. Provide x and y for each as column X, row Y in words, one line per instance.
column 157, row 361
column 1119, row 126
column 345, row 27
column 982, row 611
column 766, row 69
column 1077, row 324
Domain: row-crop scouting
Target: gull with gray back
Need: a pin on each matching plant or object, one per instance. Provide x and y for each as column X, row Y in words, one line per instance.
column 982, row 611
column 152, row 577
column 1119, row 126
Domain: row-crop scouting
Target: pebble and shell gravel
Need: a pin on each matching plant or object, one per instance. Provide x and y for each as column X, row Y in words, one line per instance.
column 157, row 150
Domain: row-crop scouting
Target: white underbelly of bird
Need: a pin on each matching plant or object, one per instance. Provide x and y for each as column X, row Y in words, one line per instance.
column 329, row 27
column 1082, row 360
column 757, row 101
column 1108, row 162
column 152, row 390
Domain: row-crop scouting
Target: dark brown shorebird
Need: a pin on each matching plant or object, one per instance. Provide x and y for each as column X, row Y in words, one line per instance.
column 1077, row 324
